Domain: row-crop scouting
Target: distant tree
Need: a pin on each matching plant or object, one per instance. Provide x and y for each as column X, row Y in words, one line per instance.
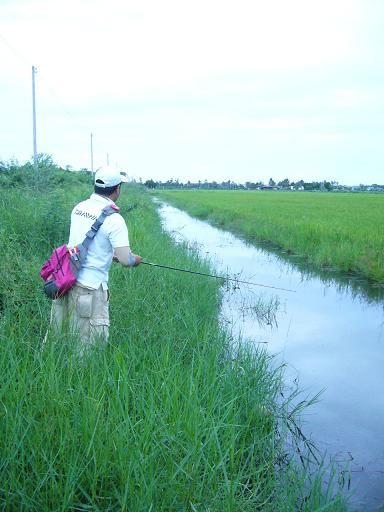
column 284, row 183
column 327, row 185
column 271, row 182
column 150, row 184
column 313, row 185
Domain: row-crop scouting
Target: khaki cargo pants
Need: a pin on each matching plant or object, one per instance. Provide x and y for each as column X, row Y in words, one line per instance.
column 84, row 311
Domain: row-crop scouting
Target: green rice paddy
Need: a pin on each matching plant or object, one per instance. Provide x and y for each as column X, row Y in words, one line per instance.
column 339, row 231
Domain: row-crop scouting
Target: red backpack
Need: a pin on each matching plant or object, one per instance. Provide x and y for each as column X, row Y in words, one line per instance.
column 60, row 271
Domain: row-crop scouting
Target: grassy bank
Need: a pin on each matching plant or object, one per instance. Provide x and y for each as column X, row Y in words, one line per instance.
column 165, row 418
column 340, row 231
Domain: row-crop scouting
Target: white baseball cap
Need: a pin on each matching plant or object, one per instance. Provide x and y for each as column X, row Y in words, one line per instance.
column 109, row 177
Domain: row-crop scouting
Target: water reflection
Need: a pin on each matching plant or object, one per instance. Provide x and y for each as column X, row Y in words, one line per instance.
column 355, row 286
column 330, row 335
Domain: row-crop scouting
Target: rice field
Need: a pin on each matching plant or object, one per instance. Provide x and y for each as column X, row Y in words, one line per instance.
column 166, row 417
column 338, row 231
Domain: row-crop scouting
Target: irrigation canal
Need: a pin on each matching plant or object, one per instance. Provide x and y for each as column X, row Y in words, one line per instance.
column 330, row 334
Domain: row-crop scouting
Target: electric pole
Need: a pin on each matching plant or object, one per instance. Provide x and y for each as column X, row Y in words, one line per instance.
column 34, row 71
column 91, row 154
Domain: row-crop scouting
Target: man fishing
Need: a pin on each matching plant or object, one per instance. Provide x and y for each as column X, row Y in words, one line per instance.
column 86, row 306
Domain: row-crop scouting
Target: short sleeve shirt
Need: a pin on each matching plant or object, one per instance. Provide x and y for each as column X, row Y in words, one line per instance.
column 112, row 234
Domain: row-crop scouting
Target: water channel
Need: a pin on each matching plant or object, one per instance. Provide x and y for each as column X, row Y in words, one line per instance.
column 330, row 335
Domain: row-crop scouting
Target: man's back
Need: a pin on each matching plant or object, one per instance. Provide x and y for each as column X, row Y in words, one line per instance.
column 112, row 234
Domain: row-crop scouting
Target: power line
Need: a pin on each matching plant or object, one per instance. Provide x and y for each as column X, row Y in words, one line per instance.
column 75, row 121
column 14, row 51
column 45, row 82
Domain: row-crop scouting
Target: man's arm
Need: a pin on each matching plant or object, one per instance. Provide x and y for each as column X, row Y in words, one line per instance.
column 125, row 256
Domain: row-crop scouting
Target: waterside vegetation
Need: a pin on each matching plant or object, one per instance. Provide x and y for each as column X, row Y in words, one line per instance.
column 336, row 231
column 168, row 417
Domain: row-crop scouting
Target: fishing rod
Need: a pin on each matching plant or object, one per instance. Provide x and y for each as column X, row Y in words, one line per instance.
column 216, row 277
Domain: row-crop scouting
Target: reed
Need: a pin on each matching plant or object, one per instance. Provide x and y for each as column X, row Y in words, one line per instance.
column 167, row 417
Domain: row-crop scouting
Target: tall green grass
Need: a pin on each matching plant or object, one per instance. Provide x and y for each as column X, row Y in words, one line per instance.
column 339, row 231
column 167, row 417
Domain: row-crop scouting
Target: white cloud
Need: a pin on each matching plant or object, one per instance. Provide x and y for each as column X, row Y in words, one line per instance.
column 123, row 48
column 172, row 85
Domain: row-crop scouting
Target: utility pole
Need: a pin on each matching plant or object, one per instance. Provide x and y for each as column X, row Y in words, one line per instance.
column 91, row 153
column 34, row 71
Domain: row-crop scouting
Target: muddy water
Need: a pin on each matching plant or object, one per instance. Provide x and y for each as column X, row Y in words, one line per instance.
column 330, row 333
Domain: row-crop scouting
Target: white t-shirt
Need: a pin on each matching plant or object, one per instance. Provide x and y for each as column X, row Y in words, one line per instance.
column 113, row 233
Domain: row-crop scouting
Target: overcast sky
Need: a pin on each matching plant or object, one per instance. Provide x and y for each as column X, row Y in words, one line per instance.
column 205, row 89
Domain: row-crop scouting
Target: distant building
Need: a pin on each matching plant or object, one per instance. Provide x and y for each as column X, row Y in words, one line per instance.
column 268, row 187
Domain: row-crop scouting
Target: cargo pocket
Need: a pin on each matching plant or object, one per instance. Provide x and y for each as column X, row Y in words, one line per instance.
column 99, row 329
column 84, row 306
column 100, row 313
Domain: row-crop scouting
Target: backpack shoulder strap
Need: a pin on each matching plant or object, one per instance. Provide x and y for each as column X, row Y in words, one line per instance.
column 90, row 235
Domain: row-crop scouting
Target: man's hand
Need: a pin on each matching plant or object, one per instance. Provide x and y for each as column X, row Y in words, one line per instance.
column 138, row 260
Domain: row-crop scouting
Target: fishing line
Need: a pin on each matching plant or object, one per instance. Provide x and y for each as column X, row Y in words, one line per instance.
column 216, row 277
